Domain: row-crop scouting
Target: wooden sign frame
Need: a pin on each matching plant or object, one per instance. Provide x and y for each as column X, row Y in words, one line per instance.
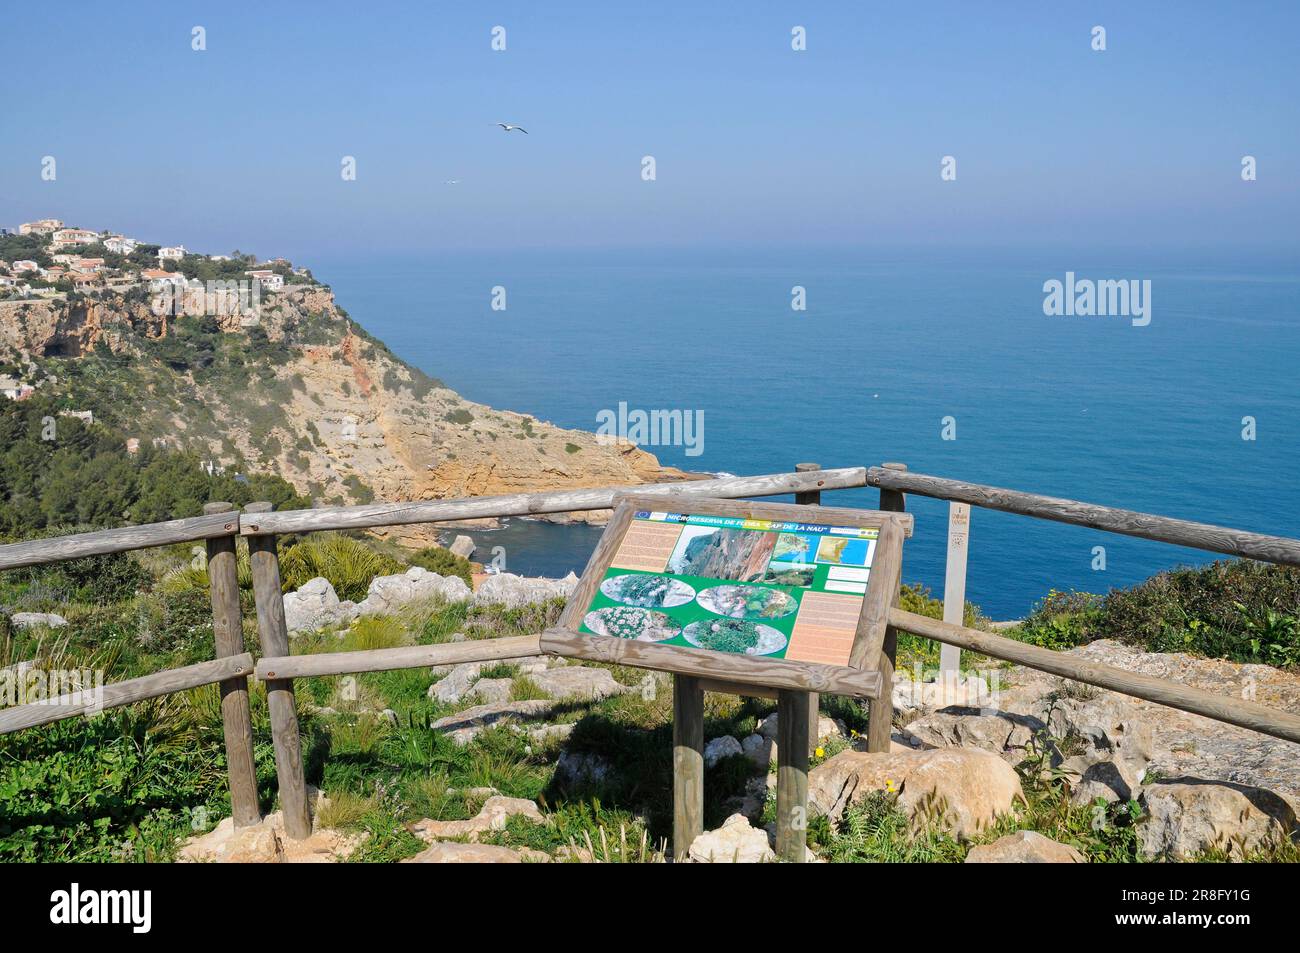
column 860, row 678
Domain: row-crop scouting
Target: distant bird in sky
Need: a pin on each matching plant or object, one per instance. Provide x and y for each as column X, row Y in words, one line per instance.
column 452, row 182
column 508, row 127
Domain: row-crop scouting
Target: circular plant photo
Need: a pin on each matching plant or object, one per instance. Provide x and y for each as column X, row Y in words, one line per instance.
column 648, row 592
column 734, row 635
column 627, row 622
column 748, row 602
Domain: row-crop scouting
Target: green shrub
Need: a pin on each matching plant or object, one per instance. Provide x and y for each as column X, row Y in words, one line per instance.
column 349, row 564
column 458, row 416
column 1235, row 609
column 444, row 562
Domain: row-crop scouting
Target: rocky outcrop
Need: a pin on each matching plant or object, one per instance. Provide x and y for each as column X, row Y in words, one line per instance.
column 735, row 842
column 1025, row 847
column 331, row 409
column 1186, row 817
column 961, row 790
column 453, row 853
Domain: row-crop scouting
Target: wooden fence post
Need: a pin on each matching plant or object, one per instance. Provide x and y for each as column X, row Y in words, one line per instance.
column 688, row 763
column 881, row 721
column 279, row 692
column 954, row 586
column 811, row 498
column 792, row 776
column 228, row 636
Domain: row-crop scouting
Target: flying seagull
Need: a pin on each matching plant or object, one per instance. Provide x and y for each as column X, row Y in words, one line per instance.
column 512, row 128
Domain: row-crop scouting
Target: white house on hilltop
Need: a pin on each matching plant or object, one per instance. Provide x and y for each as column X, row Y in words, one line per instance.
column 120, row 245
column 74, row 236
column 270, row 280
column 171, row 254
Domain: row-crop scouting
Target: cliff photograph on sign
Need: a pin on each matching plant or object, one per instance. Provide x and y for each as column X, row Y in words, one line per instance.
column 357, row 503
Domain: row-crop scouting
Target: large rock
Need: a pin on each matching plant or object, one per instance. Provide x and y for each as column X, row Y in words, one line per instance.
column 964, row 791
column 1140, row 737
column 267, row 843
column 1003, row 733
column 491, row 691
column 30, row 620
column 735, row 842
column 1025, row 847
column 315, row 605
column 464, row 726
column 1187, row 817
column 515, row 591
column 826, row 727
column 718, row 748
column 493, row 816
column 458, row 683
column 388, row 594
column 463, row 547
column 577, row 682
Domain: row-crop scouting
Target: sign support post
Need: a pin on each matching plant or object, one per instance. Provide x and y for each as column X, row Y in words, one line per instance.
column 954, row 585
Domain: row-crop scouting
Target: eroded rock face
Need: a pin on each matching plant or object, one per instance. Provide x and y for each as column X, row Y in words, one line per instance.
column 577, row 682
column 735, row 842
column 718, row 748
column 1137, row 738
column 1025, row 847
column 315, row 605
column 389, row 594
column 1187, row 817
column 962, row 790
column 515, row 591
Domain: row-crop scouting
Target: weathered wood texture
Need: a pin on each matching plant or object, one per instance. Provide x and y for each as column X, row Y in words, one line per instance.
column 954, row 580
column 1215, row 539
column 384, row 660
column 280, row 701
column 792, row 776
column 717, row 666
column 1234, row 711
column 688, row 763
column 228, row 636
column 37, row 552
column 527, row 504
column 810, row 498
column 734, row 688
column 879, row 641
column 117, row 694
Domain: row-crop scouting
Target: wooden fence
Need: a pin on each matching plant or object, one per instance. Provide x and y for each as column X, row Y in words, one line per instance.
column 231, row 666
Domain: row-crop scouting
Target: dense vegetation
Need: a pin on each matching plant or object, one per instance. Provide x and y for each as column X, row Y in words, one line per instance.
column 1235, row 609
column 59, row 470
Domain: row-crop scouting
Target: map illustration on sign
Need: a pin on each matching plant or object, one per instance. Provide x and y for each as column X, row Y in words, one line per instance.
column 743, row 586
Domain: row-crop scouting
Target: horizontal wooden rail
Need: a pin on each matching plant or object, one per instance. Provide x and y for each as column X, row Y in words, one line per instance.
column 382, row 660
column 1234, row 711
column 53, row 549
column 117, row 694
column 1215, row 539
column 533, row 504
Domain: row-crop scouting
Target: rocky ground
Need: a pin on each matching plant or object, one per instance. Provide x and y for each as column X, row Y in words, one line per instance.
column 961, row 756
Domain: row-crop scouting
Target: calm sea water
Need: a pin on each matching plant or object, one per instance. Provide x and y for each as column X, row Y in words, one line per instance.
column 1088, row 408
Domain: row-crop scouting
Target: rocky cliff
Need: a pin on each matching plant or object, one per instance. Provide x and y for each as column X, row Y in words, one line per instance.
column 301, row 391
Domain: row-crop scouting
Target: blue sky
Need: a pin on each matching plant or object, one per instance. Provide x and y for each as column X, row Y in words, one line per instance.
column 240, row 145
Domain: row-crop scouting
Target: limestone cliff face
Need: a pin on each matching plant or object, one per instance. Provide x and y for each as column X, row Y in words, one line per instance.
column 306, row 394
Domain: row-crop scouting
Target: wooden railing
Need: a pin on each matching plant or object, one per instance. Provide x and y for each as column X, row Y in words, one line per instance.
column 220, row 525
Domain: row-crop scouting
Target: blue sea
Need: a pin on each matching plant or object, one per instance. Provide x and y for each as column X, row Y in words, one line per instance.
column 1089, row 408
